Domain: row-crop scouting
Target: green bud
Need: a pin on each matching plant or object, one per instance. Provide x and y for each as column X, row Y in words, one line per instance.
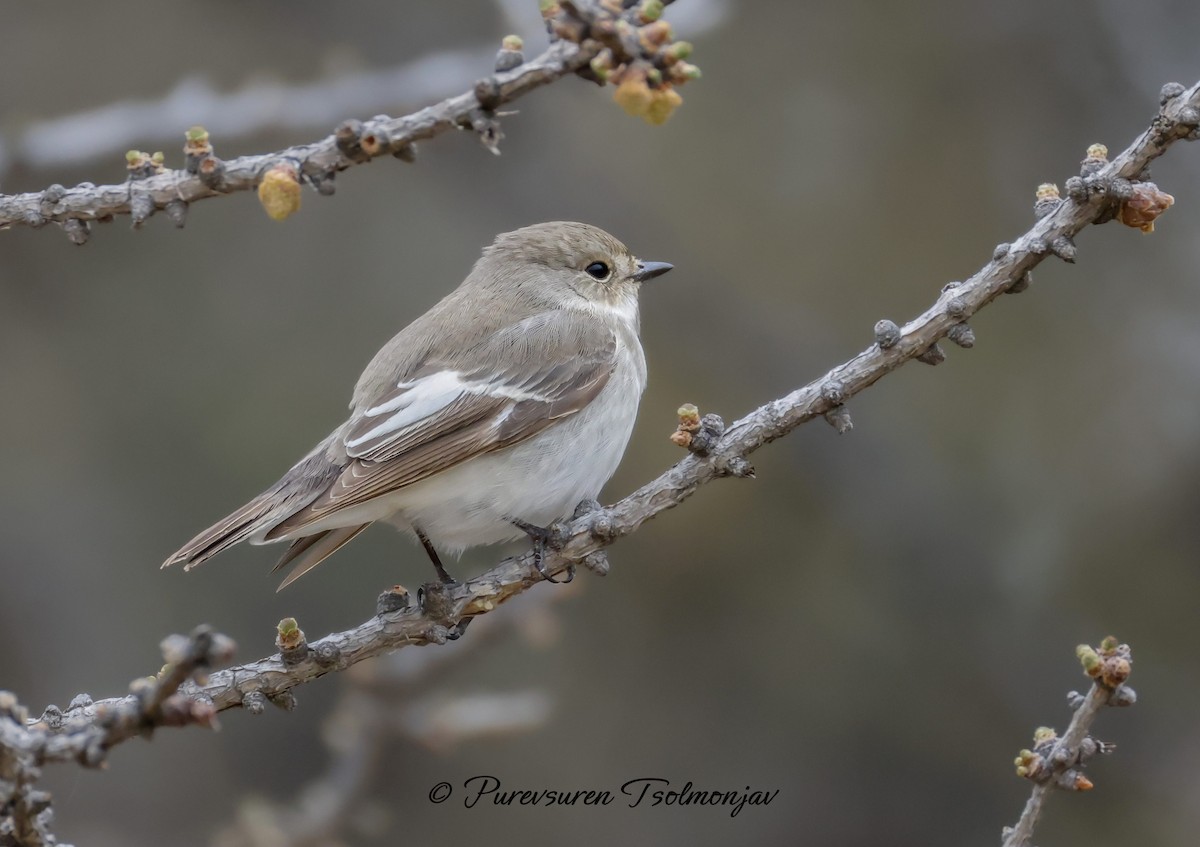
column 680, row 50
column 650, row 10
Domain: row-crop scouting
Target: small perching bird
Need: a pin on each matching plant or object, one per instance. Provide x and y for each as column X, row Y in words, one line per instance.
column 487, row 418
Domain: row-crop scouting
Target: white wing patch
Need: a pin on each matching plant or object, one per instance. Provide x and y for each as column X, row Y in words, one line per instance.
column 423, row 398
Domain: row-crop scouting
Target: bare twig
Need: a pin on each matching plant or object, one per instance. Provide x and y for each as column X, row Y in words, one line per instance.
column 717, row 452
column 88, row 730
column 1058, row 762
column 584, row 31
column 87, row 202
column 262, row 105
column 399, row 697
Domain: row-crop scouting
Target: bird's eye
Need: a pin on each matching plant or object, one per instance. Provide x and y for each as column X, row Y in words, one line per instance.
column 598, row 270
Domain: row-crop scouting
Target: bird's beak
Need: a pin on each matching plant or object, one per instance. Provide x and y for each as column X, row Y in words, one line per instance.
column 649, row 270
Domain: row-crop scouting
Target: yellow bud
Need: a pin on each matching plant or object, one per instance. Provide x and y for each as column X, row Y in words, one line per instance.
column 633, row 95
column 279, row 192
column 663, row 102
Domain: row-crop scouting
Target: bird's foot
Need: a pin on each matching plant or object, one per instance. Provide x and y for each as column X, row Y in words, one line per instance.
column 554, row 538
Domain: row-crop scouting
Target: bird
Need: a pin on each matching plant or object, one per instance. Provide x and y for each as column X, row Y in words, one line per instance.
column 486, row 419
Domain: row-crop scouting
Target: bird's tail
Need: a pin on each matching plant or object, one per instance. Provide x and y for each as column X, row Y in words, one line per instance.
column 306, row 553
column 259, row 514
column 298, row 487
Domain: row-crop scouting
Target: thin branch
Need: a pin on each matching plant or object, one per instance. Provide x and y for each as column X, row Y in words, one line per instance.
column 1058, row 762
column 627, row 42
column 261, row 105
column 441, row 612
column 316, row 161
column 401, row 697
column 88, row 730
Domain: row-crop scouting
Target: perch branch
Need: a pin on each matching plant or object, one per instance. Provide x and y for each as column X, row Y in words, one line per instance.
column 441, row 612
column 1058, row 762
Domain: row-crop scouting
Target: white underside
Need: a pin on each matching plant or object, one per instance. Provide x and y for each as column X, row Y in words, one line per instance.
column 537, row 481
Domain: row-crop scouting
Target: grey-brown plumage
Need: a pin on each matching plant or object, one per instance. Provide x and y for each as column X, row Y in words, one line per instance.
column 510, row 397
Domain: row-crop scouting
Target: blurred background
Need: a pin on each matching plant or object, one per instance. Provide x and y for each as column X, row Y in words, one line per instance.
column 874, row 627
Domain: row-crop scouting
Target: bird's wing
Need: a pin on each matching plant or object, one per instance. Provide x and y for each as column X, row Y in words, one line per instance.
column 452, row 409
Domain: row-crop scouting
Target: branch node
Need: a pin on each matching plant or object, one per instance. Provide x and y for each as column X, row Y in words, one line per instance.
column 1047, row 201
column 601, row 526
column 52, row 717
column 254, row 702
column 53, row 194
column 1064, row 248
column 327, row 654
column 1189, row 116
column 291, row 643
column 1077, row 188
column 348, row 138
column 77, row 231
column 285, row 700
column 487, row 92
column 176, row 212
column 211, row 172
column 597, row 563
column 393, row 599
column 1037, row 246
column 887, row 334
column 1000, row 251
column 736, row 466
column 141, row 207
column 196, row 148
column 1169, row 92
column 375, row 141
column 962, row 335
column 142, row 165
column 933, row 355
column 688, row 426
column 1022, row 283
column 834, row 392
column 1123, row 696
column 510, row 56
column 956, row 307
column 1119, row 188
column 1093, row 162
column 437, row 604
column 838, row 417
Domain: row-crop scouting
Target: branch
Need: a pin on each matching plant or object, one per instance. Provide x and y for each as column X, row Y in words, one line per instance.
column 263, row 105
column 632, row 48
column 440, row 612
column 400, row 697
column 317, row 162
column 88, row 730
column 1058, row 762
